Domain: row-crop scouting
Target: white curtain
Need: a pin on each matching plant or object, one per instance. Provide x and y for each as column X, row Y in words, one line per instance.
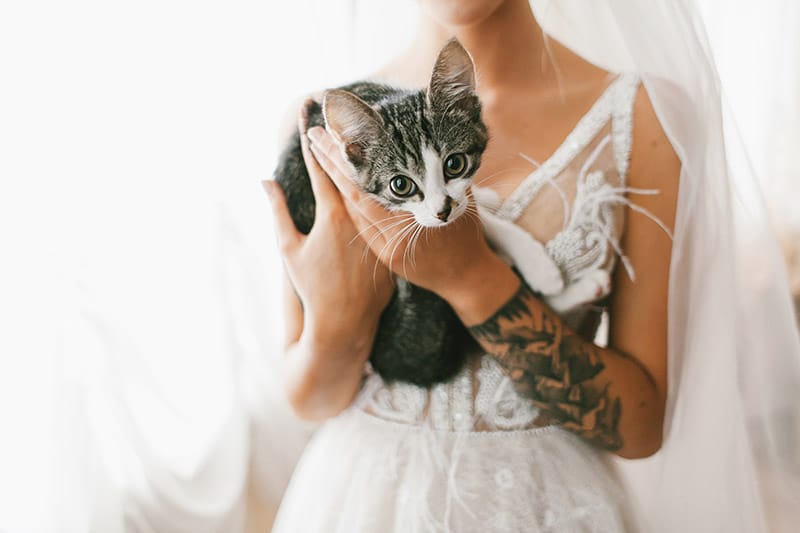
column 138, row 276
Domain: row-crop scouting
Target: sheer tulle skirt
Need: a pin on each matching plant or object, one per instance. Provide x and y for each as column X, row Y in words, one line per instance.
column 362, row 473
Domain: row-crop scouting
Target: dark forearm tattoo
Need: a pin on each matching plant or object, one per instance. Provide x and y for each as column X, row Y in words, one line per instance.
column 553, row 367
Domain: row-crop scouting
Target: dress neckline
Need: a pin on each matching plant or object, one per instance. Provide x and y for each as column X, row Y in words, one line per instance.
column 576, row 140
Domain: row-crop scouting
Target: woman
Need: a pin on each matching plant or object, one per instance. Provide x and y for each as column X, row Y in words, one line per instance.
column 498, row 447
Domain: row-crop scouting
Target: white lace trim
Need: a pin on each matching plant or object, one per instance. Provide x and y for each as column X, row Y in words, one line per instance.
column 452, row 406
column 622, row 122
column 582, row 244
column 611, row 101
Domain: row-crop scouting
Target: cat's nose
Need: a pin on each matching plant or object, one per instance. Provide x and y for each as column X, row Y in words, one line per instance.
column 445, row 212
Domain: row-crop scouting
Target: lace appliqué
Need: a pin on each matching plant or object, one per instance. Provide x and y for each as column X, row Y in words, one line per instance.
column 446, row 406
column 497, row 403
column 397, row 402
column 588, row 241
column 452, row 406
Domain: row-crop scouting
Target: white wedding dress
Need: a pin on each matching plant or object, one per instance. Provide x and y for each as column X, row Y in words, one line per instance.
column 469, row 455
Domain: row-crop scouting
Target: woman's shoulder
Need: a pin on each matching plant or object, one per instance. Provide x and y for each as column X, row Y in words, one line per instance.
column 639, row 309
column 654, row 164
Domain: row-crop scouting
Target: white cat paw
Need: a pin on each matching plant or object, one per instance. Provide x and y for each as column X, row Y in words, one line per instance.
column 539, row 271
column 602, row 281
column 486, row 198
column 587, row 289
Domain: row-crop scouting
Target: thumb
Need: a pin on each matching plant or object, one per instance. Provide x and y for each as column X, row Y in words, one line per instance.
column 288, row 236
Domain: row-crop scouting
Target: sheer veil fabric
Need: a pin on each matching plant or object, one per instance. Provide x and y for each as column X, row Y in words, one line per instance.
column 730, row 459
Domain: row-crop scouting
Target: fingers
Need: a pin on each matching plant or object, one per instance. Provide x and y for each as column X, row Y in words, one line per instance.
column 331, row 160
column 364, row 211
column 325, row 192
column 288, row 236
column 376, row 225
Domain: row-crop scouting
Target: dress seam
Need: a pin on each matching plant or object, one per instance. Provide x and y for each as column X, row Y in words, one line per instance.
column 401, row 426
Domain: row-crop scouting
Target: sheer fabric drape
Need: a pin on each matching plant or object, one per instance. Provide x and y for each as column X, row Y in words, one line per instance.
column 730, row 459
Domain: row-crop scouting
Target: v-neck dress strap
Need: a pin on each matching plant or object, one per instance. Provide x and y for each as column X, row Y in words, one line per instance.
column 574, row 202
column 614, row 107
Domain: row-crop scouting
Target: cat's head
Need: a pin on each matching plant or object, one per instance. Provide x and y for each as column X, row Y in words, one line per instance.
column 418, row 150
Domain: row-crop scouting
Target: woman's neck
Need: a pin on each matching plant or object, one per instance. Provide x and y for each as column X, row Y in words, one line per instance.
column 509, row 48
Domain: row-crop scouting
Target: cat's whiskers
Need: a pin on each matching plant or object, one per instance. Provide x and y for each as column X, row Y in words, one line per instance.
column 381, row 231
column 388, row 243
column 377, row 222
column 368, row 243
column 505, row 158
column 409, row 251
column 377, row 257
column 391, row 242
column 403, row 238
column 472, row 212
column 415, row 240
column 400, row 238
column 484, row 180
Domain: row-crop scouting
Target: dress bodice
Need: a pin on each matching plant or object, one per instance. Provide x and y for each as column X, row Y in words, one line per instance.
column 573, row 203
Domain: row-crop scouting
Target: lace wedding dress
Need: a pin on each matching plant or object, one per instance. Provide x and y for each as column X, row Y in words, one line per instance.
column 470, row 454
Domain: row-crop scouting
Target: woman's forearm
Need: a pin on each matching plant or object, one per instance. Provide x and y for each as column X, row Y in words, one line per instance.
column 323, row 369
column 602, row 395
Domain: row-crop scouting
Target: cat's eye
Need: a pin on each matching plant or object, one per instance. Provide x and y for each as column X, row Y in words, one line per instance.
column 455, row 165
column 402, row 186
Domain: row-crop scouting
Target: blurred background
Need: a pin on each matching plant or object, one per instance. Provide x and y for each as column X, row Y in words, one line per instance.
column 139, row 282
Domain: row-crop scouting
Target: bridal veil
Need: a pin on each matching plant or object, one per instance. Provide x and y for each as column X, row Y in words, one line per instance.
column 731, row 454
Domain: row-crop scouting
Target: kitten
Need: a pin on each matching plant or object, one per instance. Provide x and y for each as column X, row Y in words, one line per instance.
column 415, row 152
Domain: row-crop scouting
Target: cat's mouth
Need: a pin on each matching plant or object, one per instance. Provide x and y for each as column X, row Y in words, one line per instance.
column 443, row 219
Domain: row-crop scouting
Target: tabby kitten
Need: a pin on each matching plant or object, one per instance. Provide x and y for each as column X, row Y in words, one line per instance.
column 415, row 152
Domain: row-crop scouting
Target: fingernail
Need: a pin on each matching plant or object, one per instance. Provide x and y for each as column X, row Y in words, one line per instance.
column 315, row 134
column 268, row 185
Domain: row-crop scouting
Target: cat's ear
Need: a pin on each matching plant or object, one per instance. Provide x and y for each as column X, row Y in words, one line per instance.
column 453, row 75
column 352, row 122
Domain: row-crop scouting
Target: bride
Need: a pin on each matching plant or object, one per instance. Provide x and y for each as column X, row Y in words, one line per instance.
column 525, row 437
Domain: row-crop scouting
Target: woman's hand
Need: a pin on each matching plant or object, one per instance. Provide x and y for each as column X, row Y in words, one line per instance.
column 340, row 283
column 444, row 260
column 343, row 290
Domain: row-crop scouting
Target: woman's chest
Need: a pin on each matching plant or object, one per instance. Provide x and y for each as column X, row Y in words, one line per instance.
column 532, row 122
column 547, row 195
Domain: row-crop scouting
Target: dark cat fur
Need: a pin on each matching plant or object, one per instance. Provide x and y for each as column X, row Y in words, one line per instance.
column 420, row 339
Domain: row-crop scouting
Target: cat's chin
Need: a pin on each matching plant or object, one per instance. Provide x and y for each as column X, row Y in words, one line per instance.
column 434, row 223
